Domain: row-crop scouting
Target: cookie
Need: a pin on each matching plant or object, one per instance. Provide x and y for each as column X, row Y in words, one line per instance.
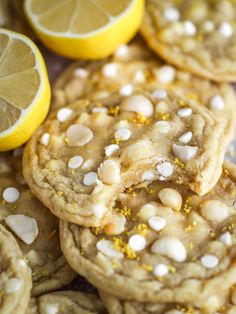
column 222, row 304
column 198, row 36
column 35, row 229
column 84, row 155
column 174, row 246
column 135, row 65
column 64, row 302
column 15, row 276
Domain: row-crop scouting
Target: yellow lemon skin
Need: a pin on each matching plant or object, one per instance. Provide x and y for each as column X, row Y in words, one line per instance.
column 37, row 112
column 98, row 44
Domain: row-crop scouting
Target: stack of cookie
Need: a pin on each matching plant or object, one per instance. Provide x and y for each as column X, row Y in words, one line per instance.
column 128, row 171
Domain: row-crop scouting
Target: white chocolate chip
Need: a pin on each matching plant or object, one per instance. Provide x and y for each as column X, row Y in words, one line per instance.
column 226, row 29
column 98, row 187
column 163, row 127
column 184, row 153
column 45, row 138
column 214, row 210
column 126, row 90
column 185, row 112
column 171, row 14
column 165, row 169
column 109, row 70
column 75, row 162
column 81, row 73
column 90, row 178
column 157, row 223
column 147, row 211
column 10, row 194
column 170, row 247
column 63, row 114
column 99, row 109
column 122, row 52
column 78, row 135
column 186, row 137
column 208, row 26
column 165, row 74
column 116, row 224
column 160, row 270
column 99, row 210
column 24, row 227
column 122, row 124
column 159, row 94
column 109, row 172
column 106, row 247
column 123, row 134
column 51, row 308
column 189, row 28
column 209, row 261
column 162, row 107
column 12, row 285
column 171, row 198
column 137, row 242
column 111, row 149
column 139, row 77
column 87, row 165
column 148, row 175
column 217, row 102
column 139, row 104
column 226, row 238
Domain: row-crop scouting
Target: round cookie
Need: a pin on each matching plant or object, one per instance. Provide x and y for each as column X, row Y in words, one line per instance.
column 175, row 247
column 135, row 65
column 15, row 276
column 198, row 36
column 84, row 155
column 64, row 302
column 36, row 231
column 221, row 304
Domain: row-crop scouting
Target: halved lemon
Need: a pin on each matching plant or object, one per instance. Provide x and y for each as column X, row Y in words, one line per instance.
column 84, row 28
column 24, row 89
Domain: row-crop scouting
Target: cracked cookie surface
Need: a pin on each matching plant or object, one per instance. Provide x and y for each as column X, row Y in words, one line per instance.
column 64, row 302
column 15, row 276
column 84, row 155
column 135, row 66
column 198, row 36
column 159, row 255
column 35, row 228
column 223, row 304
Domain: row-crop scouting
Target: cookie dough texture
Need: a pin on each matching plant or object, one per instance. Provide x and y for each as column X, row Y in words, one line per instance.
column 15, row 276
column 64, row 302
column 50, row 270
column 220, row 304
column 144, row 137
column 198, row 36
column 135, row 66
column 128, row 265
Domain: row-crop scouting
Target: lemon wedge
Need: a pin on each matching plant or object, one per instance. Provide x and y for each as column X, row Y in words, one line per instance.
column 24, row 89
column 84, row 28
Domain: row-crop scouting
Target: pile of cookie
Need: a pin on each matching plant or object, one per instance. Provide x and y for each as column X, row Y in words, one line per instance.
column 125, row 183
